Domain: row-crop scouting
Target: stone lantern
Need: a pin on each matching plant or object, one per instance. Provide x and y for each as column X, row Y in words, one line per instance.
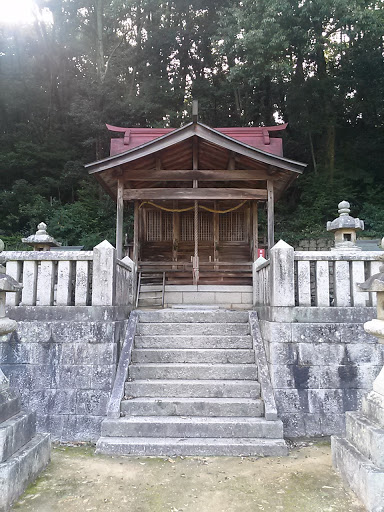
column 359, row 456
column 7, row 284
column 41, row 241
column 23, row 453
column 345, row 228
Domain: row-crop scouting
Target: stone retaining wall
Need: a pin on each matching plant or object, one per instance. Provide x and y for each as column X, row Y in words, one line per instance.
column 321, row 364
column 63, row 362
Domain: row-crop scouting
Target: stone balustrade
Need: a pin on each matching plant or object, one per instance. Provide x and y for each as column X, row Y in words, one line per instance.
column 66, row 278
column 314, row 278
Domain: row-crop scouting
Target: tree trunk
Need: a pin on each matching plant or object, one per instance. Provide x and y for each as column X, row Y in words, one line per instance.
column 100, row 61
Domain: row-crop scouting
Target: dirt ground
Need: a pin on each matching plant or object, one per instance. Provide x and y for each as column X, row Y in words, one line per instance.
column 77, row 480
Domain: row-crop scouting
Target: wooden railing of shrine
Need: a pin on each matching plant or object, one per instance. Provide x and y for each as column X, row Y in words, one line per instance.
column 66, row 278
column 314, row 278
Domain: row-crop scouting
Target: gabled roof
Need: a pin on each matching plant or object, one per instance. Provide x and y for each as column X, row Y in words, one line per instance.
column 258, row 137
column 203, row 132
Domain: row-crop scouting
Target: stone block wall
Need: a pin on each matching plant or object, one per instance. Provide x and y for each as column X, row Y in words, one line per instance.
column 223, row 296
column 319, row 244
column 63, row 362
column 321, row 364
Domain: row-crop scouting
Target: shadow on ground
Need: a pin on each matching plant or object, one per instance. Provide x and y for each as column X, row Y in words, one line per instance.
column 78, row 480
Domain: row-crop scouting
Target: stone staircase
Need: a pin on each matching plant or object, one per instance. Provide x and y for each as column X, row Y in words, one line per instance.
column 23, row 453
column 192, row 390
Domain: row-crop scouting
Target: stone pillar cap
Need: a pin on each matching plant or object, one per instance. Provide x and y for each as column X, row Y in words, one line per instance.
column 41, row 237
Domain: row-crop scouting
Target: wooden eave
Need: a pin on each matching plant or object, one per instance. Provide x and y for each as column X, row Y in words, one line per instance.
column 174, row 151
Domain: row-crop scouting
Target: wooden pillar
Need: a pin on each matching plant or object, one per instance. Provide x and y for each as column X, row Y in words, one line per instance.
column 271, row 215
column 195, row 258
column 119, row 218
column 255, row 230
column 136, row 233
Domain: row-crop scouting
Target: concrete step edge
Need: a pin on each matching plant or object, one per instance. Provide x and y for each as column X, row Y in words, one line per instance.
column 192, row 420
column 245, row 401
column 191, row 382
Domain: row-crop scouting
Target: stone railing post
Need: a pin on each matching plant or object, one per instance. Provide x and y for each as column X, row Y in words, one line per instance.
column 282, row 275
column 255, row 278
column 132, row 285
column 104, row 275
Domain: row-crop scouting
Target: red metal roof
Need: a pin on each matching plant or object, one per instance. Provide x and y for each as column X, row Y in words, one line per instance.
column 258, row 137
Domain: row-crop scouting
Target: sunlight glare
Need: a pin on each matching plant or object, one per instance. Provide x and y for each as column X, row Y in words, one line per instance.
column 22, row 12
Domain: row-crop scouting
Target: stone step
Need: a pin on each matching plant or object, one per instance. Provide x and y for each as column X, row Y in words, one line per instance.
column 193, row 316
column 192, row 407
column 192, row 329
column 15, row 433
column 367, row 438
column 22, row 468
column 193, row 388
column 182, row 342
column 180, row 426
column 189, row 355
column 9, row 404
column 373, row 408
column 230, row 447
column 198, row 371
column 365, row 479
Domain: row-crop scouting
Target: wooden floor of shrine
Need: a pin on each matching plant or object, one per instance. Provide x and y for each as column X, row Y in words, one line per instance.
column 233, row 265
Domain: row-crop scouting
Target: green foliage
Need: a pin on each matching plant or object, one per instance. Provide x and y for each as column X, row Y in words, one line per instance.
column 317, row 64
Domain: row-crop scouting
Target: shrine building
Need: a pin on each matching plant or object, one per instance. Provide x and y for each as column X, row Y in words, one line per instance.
column 197, row 193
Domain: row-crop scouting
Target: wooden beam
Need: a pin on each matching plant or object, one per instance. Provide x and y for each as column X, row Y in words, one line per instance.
column 202, row 175
column 255, row 229
column 119, row 218
column 194, row 193
column 271, row 216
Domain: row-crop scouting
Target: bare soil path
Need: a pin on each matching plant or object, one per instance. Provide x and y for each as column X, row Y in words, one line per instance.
column 77, row 480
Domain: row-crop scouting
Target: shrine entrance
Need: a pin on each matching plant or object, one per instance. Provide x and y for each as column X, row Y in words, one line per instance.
column 197, row 193
column 202, row 243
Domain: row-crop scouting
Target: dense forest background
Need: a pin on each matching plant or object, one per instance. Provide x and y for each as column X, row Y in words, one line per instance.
column 316, row 64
